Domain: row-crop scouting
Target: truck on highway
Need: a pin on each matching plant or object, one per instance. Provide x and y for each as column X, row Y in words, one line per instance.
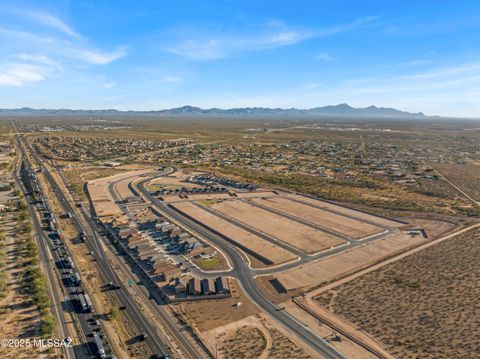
column 83, row 302
column 99, row 344
column 69, row 263
column 89, row 303
column 77, row 279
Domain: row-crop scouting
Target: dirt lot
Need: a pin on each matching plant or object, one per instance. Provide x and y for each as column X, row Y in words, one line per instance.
column 256, row 244
column 205, row 315
column 217, row 196
column 100, row 195
column 345, row 225
column 286, row 230
column 345, row 346
column 256, row 336
column 77, row 177
column 347, row 211
column 316, row 273
column 423, row 306
column 175, row 180
column 122, row 188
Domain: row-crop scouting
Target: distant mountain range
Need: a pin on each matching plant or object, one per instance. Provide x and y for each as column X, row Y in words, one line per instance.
column 341, row 110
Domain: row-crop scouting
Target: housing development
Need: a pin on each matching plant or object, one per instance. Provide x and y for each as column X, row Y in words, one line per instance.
column 218, row 244
column 225, row 179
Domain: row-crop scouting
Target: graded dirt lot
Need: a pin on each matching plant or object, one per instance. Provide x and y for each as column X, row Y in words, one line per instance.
column 338, row 265
column 422, row 306
column 362, row 216
column 253, row 243
column 123, row 189
column 286, row 230
column 217, row 196
column 342, row 224
column 205, row 315
column 176, row 180
column 102, row 201
column 78, row 176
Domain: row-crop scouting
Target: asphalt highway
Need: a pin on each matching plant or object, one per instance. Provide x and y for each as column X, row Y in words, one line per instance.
column 90, row 228
column 83, row 323
column 45, row 256
column 121, row 296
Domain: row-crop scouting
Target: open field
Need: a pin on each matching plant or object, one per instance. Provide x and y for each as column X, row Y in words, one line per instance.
column 339, row 223
column 338, row 265
column 422, row 306
column 463, row 176
column 286, row 230
column 246, row 342
column 255, row 246
column 379, row 221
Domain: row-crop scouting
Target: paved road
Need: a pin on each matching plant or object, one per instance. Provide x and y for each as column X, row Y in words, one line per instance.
column 304, row 259
column 153, row 289
column 92, row 230
column 45, row 256
column 82, row 324
column 122, row 296
column 245, row 276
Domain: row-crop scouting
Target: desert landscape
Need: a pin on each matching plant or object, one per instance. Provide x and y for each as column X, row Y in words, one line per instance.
column 411, row 305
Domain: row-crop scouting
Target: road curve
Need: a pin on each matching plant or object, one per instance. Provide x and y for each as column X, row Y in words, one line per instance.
column 245, row 276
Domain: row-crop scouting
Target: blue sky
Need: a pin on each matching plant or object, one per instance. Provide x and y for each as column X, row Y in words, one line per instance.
column 411, row 55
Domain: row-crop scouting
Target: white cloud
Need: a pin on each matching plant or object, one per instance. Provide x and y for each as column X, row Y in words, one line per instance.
column 274, row 34
column 25, row 36
column 224, row 46
column 51, row 21
column 355, row 24
column 39, row 59
column 97, row 57
column 172, row 79
column 200, row 50
column 21, row 74
column 324, row 57
column 73, row 52
column 109, row 85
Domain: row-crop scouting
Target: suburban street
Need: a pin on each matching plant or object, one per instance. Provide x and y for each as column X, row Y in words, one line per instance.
column 245, row 276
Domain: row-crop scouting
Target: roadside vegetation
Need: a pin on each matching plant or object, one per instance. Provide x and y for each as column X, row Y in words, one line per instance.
column 3, row 272
column 367, row 192
column 212, row 263
column 34, row 283
column 245, row 342
column 423, row 306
